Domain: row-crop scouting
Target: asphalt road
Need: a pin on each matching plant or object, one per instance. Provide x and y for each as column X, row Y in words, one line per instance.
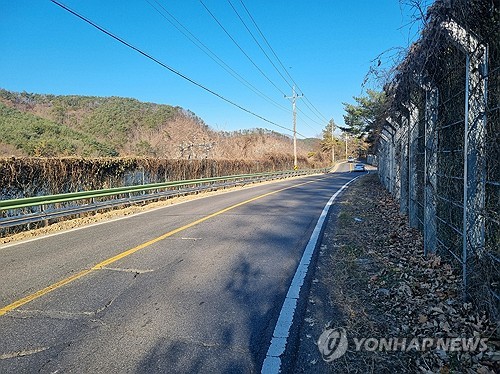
column 193, row 287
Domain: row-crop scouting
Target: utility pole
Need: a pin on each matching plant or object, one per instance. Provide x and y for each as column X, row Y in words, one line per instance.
column 293, row 98
column 346, row 146
column 333, row 148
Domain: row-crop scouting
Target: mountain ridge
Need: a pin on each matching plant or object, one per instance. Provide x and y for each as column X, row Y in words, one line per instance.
column 46, row 125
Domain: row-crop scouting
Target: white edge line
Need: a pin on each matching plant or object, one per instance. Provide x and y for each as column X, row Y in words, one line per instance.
column 272, row 362
column 337, row 165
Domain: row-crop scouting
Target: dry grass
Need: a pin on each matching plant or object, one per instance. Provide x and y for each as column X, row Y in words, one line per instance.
column 380, row 285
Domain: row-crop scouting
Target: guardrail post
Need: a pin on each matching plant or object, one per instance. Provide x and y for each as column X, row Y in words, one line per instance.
column 45, row 222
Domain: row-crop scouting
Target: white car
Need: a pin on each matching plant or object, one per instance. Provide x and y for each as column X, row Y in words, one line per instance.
column 350, row 159
column 359, row 167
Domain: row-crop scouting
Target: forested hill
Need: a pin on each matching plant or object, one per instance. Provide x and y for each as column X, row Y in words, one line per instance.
column 49, row 125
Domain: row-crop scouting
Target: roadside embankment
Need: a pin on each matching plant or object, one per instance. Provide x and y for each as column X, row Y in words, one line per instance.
column 380, row 305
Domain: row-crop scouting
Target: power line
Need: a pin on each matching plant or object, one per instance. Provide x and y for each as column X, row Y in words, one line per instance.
column 203, row 47
column 279, row 61
column 257, row 42
column 265, row 40
column 305, row 122
column 269, row 59
column 308, row 117
column 196, row 41
column 240, row 48
column 166, row 66
column 321, row 116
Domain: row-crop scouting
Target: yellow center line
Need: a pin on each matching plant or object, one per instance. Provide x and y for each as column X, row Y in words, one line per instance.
column 102, row 264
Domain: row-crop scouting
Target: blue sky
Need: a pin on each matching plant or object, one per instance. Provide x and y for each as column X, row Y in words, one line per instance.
column 326, row 45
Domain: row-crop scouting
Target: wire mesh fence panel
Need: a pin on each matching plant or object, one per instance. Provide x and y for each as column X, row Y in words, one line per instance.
column 450, row 82
column 443, row 165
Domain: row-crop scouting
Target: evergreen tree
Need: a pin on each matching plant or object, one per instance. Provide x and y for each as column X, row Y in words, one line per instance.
column 365, row 118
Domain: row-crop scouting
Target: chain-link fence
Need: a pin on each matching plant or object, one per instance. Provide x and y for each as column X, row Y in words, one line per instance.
column 439, row 150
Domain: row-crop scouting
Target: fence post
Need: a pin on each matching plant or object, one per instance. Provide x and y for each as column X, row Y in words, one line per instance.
column 397, row 163
column 391, row 163
column 403, row 201
column 430, row 177
column 390, row 160
column 394, row 176
column 389, row 157
column 474, row 163
column 412, row 164
column 476, row 62
column 383, row 159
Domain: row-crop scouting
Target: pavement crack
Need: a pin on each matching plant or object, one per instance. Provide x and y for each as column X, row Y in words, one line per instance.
column 107, row 305
column 58, row 314
column 136, row 271
column 238, row 349
column 54, row 314
column 27, row 352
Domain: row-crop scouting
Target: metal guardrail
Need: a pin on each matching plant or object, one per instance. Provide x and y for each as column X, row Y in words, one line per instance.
column 25, row 211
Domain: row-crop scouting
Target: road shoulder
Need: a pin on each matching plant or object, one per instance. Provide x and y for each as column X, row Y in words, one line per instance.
column 372, row 280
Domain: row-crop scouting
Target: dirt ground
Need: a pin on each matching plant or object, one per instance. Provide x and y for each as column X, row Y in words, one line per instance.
column 372, row 281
